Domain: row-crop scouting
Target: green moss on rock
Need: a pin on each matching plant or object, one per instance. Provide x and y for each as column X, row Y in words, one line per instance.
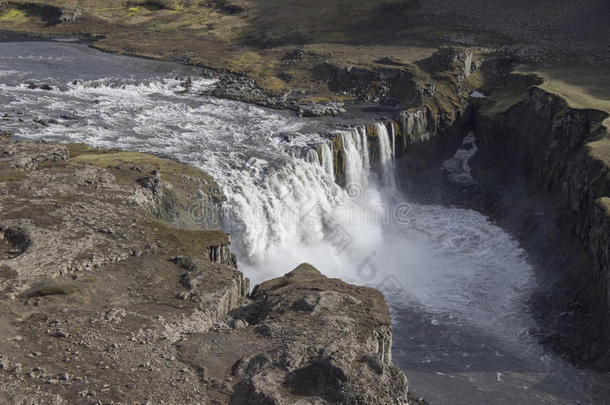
column 371, row 131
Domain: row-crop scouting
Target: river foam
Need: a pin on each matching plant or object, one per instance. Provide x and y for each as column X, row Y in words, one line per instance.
column 284, row 207
column 453, row 267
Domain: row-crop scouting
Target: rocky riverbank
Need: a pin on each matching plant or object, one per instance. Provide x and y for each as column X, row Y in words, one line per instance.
column 112, row 294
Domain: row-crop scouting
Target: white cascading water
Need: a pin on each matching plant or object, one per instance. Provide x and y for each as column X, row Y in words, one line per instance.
column 279, row 205
column 393, row 131
column 457, row 167
column 355, row 173
column 364, row 148
column 312, row 157
column 284, row 207
column 327, row 160
column 386, row 157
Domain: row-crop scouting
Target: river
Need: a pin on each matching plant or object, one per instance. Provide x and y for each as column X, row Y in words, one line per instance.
column 456, row 283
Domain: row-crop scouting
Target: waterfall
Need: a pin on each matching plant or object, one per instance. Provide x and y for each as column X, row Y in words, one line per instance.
column 327, row 160
column 467, row 277
column 386, row 161
column 355, row 173
column 312, row 156
column 269, row 206
column 361, row 133
column 283, row 206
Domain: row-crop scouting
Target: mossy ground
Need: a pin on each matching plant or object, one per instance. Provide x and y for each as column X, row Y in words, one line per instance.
column 13, row 15
column 113, row 158
column 581, row 86
column 499, row 97
column 189, row 242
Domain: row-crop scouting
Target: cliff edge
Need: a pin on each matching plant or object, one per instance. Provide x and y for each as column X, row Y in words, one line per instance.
column 115, row 287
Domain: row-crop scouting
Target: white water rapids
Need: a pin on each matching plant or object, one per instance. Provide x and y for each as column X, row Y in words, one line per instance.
column 283, row 205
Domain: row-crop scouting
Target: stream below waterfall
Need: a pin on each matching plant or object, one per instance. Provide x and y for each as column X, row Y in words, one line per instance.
column 456, row 283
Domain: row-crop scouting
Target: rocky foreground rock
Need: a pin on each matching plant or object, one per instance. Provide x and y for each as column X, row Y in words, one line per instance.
column 114, row 291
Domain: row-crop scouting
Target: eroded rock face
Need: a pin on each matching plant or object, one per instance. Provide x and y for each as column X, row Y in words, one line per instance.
column 328, row 338
column 91, row 290
column 110, row 294
column 562, row 152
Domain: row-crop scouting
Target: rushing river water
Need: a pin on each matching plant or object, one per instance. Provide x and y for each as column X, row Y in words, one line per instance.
column 456, row 283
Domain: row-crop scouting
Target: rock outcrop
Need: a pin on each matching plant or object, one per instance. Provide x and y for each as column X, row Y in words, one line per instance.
column 115, row 290
column 328, row 337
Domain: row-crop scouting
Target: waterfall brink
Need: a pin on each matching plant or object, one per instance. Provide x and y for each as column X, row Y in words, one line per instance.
column 283, row 205
column 327, row 160
column 462, row 273
column 386, row 160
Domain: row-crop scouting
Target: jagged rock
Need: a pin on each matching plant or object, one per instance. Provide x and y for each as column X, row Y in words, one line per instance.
column 26, row 155
column 70, row 14
column 453, row 59
column 320, row 110
column 563, row 151
column 327, row 345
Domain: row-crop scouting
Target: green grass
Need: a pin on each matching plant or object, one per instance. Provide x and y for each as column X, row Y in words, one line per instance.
column 113, row 158
column 581, row 87
column 13, row 14
column 76, row 149
column 189, row 241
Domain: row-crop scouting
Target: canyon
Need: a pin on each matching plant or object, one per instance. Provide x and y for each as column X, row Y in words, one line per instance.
column 469, row 189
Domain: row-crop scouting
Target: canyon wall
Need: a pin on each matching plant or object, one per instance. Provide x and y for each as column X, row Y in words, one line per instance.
column 524, row 134
column 563, row 153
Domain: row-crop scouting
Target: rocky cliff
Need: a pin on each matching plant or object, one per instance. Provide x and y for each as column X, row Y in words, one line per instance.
column 116, row 288
column 563, row 152
column 542, row 172
column 434, row 114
